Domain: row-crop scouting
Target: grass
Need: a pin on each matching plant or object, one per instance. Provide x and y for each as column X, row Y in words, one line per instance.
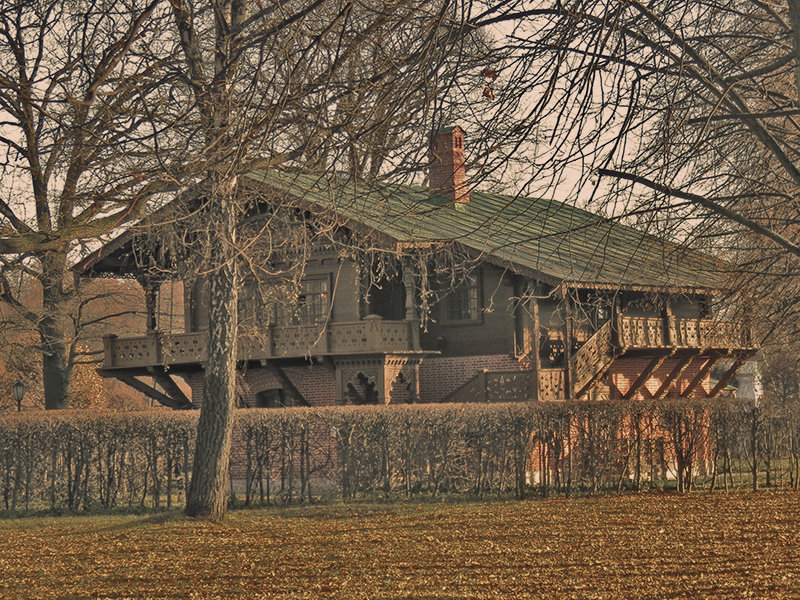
column 635, row 546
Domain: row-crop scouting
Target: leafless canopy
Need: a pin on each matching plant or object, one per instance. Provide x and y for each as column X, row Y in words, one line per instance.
column 680, row 116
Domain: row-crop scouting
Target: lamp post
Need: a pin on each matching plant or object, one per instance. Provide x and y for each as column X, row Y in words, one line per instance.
column 19, row 393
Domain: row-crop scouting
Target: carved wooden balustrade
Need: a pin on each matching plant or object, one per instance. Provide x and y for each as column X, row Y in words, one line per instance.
column 373, row 334
column 551, row 384
column 707, row 333
column 656, row 332
column 592, row 358
column 642, row 332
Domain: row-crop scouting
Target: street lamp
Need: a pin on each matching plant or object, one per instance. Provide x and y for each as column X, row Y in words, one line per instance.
column 19, row 393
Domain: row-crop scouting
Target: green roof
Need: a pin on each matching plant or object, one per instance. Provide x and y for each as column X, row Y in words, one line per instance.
column 538, row 237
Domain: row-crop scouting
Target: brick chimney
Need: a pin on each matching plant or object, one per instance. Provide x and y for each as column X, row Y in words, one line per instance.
column 448, row 176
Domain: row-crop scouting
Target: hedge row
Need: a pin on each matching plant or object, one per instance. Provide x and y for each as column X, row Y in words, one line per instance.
column 84, row 460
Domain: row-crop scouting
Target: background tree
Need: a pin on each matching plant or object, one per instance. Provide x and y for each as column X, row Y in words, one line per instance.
column 687, row 112
column 100, row 306
column 79, row 110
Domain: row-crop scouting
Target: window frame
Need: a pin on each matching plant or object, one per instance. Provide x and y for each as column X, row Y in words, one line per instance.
column 285, row 316
column 471, row 283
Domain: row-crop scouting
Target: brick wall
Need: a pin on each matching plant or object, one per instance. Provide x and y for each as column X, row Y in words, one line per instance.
column 625, row 371
column 442, row 375
column 317, row 383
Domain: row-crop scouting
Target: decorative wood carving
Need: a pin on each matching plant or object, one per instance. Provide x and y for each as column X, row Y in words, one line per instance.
column 592, row 359
column 551, row 385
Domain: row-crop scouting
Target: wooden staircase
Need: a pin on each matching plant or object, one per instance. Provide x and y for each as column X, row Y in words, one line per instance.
column 592, row 360
column 587, row 366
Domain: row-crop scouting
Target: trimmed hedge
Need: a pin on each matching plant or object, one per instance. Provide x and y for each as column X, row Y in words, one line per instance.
column 86, row 461
column 83, row 460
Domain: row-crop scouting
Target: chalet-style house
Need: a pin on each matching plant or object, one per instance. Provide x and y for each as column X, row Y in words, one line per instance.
column 561, row 303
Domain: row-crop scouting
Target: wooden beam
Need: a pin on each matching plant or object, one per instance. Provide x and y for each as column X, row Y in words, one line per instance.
column 641, row 380
column 697, row 379
column 536, row 335
column 729, row 374
column 150, row 391
column 673, row 375
column 613, row 386
column 568, row 333
column 169, row 385
column 286, row 382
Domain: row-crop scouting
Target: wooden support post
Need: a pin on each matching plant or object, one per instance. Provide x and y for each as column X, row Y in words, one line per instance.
column 618, row 336
column 536, row 346
column 411, row 311
column 188, row 307
column 669, row 325
column 568, row 333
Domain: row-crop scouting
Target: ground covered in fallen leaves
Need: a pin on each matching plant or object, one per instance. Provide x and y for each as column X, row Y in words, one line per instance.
column 635, row 546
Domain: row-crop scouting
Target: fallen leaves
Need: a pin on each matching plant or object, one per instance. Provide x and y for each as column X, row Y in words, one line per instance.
column 636, row 546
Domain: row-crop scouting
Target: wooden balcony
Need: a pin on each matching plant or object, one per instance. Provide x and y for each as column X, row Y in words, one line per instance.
column 704, row 334
column 371, row 335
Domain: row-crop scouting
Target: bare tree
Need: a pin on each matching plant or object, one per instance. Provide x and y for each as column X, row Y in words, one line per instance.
column 78, row 115
column 326, row 87
column 679, row 116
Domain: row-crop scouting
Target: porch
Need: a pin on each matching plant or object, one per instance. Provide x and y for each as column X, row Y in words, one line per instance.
column 368, row 336
column 672, row 348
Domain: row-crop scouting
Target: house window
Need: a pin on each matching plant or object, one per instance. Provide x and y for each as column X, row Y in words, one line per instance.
column 311, row 306
column 250, row 305
column 462, row 303
column 602, row 314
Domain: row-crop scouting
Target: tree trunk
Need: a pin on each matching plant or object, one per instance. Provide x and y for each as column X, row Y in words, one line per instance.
column 754, row 446
column 55, row 333
column 208, row 488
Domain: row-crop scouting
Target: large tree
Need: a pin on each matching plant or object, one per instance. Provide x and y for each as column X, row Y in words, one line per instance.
column 679, row 115
column 320, row 86
column 79, row 112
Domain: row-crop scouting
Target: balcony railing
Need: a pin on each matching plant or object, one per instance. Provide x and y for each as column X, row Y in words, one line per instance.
column 656, row 332
column 371, row 335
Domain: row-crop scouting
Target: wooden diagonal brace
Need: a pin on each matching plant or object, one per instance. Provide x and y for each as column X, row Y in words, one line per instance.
column 170, row 387
column 701, row 374
column 673, row 375
column 729, row 374
column 150, row 391
column 285, row 382
column 641, row 380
